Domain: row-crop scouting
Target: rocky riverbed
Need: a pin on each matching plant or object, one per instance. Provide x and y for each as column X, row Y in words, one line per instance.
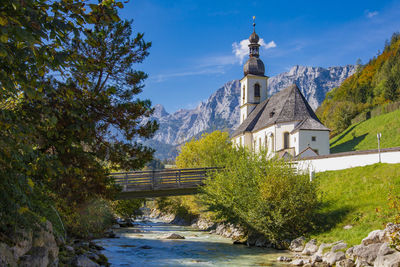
column 157, row 243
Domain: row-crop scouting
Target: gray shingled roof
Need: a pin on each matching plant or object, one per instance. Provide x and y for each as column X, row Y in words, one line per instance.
column 287, row 105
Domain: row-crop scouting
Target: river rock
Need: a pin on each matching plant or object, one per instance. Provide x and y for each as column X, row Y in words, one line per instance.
column 332, row 257
column 173, row 236
column 297, row 245
column 310, row 248
column 377, row 236
column 45, row 238
column 347, row 227
column 345, row 263
column 389, row 260
column 37, row 257
column 284, row 259
column 23, row 242
column 316, row 258
column 365, row 254
column 83, row 261
column 339, row 246
column 324, row 247
column 298, row 262
column 203, row 224
column 6, row 256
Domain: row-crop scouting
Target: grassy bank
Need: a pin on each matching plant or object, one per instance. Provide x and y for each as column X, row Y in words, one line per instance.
column 362, row 136
column 357, row 197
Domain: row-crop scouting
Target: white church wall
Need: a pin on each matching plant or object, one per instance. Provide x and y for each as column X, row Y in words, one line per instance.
column 249, row 81
column 321, row 143
column 265, row 136
column 340, row 162
column 281, row 128
column 296, row 142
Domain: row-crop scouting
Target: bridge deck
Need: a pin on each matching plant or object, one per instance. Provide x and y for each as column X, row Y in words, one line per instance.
column 167, row 182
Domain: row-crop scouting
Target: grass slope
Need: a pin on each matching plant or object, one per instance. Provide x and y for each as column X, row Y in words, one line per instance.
column 356, row 196
column 362, row 136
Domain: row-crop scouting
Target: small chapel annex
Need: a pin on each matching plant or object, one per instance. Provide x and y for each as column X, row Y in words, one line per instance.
column 283, row 124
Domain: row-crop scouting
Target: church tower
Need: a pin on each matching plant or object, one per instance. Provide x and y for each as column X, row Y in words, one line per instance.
column 254, row 83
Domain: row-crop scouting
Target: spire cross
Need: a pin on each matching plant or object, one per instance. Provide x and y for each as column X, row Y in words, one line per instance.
column 254, row 23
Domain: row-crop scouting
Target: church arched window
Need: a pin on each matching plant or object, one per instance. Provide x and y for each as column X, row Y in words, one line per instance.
column 244, row 92
column 285, row 140
column 256, row 90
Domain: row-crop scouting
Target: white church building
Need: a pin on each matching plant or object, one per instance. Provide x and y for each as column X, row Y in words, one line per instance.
column 283, row 124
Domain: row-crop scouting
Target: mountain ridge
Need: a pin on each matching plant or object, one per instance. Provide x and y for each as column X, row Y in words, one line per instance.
column 221, row 110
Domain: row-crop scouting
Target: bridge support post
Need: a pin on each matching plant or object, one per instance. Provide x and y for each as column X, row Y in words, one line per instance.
column 126, row 182
column 153, row 182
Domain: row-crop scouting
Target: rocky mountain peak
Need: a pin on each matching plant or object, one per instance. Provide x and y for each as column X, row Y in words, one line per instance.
column 221, row 110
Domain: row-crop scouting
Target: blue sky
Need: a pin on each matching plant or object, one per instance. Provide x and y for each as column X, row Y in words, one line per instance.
column 196, row 44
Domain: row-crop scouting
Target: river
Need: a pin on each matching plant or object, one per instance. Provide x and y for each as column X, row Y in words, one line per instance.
column 141, row 246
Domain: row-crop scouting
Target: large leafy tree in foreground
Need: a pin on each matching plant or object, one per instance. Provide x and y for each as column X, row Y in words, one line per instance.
column 67, row 104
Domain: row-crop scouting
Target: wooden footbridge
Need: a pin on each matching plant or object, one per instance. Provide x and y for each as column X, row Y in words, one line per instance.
column 156, row 183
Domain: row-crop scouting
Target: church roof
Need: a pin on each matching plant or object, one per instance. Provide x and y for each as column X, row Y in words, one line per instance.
column 288, row 105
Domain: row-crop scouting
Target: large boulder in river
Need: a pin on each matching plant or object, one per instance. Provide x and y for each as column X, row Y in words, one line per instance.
column 173, row 236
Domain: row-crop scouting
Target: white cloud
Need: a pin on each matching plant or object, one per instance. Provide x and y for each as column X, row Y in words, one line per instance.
column 371, row 14
column 242, row 49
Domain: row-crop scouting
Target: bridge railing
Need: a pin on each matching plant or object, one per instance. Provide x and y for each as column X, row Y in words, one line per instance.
column 162, row 179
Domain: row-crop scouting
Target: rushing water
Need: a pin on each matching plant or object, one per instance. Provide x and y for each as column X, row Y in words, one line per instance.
column 142, row 246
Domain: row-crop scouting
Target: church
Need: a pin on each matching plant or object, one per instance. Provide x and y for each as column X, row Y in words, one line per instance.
column 283, row 124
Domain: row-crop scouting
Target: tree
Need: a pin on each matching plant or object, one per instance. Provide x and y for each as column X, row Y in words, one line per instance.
column 74, row 104
column 93, row 114
column 263, row 195
column 209, row 151
column 31, row 34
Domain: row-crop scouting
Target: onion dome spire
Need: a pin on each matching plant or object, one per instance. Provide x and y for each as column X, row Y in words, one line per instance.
column 254, row 65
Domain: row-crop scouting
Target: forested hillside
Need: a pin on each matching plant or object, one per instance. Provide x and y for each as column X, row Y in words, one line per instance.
column 373, row 84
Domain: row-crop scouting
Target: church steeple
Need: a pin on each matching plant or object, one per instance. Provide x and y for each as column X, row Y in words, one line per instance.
column 254, row 65
column 254, row 83
column 254, row 46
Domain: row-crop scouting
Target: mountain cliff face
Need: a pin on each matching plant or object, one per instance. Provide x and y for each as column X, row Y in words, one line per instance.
column 221, row 110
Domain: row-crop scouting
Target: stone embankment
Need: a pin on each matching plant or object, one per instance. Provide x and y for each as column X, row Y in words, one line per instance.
column 374, row 250
column 28, row 248
column 39, row 247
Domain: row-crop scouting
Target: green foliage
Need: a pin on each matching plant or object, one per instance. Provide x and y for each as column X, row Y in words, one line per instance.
column 128, row 208
column 362, row 136
column 155, row 164
column 265, row 195
column 357, row 197
column 185, row 207
column 90, row 219
column 209, row 151
column 374, row 84
column 67, row 103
